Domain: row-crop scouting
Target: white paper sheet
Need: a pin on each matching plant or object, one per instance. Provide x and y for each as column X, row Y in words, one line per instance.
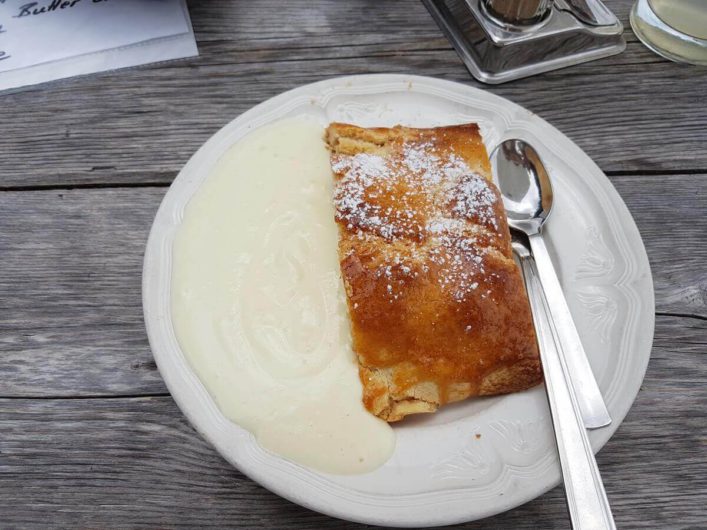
column 51, row 39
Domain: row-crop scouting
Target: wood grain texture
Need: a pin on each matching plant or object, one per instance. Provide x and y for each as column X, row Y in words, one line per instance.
column 107, row 463
column 89, row 438
column 72, row 264
column 669, row 211
column 632, row 112
column 72, row 312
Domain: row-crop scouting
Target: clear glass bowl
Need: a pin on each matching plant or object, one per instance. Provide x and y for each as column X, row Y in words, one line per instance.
column 675, row 29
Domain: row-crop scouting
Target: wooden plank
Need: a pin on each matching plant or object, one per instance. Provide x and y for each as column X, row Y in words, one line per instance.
column 72, row 260
column 71, row 322
column 670, row 214
column 141, row 125
column 109, row 463
column 72, row 313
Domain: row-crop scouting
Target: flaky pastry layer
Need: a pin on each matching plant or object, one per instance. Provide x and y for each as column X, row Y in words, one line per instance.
column 437, row 304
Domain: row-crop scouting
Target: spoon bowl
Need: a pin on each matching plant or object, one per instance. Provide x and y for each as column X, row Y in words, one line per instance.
column 524, row 184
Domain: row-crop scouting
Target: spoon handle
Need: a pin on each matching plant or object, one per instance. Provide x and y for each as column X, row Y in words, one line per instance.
column 589, row 396
column 586, row 498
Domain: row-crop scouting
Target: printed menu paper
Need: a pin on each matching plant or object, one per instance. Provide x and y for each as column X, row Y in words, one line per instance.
column 52, row 39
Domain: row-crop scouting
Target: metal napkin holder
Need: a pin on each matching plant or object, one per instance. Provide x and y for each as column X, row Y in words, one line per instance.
column 570, row 32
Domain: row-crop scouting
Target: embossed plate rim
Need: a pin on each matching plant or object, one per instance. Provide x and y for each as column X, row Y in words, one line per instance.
column 357, row 498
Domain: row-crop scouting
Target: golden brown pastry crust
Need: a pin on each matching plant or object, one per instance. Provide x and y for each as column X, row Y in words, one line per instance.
column 437, row 304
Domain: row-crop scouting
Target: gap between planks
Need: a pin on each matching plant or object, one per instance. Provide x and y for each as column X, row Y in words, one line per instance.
column 87, row 397
column 168, row 181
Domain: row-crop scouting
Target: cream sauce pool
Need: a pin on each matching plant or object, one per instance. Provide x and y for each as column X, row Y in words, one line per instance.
column 259, row 307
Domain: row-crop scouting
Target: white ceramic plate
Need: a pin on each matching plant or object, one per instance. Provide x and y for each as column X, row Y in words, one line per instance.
column 483, row 456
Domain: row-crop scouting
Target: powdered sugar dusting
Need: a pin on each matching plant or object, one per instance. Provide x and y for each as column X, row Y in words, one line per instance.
column 362, row 173
column 475, row 199
column 430, row 200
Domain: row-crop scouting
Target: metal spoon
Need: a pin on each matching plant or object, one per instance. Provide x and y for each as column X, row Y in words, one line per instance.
column 588, row 506
column 527, row 197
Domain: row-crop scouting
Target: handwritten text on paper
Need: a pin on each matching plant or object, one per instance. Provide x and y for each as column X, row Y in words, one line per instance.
column 42, row 31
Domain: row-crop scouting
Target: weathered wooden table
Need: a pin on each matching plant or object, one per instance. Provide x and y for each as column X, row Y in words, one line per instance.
column 89, row 436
